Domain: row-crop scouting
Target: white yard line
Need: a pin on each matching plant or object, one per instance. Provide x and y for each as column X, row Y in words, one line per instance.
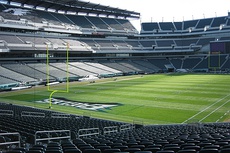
column 223, row 116
column 214, row 111
column 206, row 108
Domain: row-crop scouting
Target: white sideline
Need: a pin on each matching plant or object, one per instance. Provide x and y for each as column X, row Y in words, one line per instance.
column 223, row 116
column 214, row 110
column 205, row 109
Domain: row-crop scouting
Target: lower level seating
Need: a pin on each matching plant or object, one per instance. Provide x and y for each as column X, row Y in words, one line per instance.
column 178, row 138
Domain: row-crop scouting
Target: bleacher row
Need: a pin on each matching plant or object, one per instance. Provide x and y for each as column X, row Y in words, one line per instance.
column 35, row 30
column 47, row 134
column 101, row 45
column 199, row 25
column 27, row 72
column 80, row 23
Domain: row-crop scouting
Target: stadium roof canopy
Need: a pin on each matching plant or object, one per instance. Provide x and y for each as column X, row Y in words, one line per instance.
column 78, row 6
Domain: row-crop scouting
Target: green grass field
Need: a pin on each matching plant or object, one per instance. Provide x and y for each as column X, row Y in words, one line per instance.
column 151, row 99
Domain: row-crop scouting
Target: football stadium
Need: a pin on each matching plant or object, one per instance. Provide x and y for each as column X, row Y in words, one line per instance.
column 78, row 77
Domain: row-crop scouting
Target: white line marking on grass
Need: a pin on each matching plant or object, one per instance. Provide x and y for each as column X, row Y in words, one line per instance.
column 214, row 111
column 223, row 116
column 206, row 108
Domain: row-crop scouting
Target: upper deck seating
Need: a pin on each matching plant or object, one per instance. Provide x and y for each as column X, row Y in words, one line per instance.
column 133, row 43
column 81, row 21
column 126, row 24
column 147, row 43
column 178, row 25
column 189, row 24
column 165, row 43
column 218, row 21
column 150, row 26
column 205, row 41
column 166, row 26
column 98, row 22
column 49, row 19
column 204, row 22
column 62, row 18
column 186, row 42
column 113, row 23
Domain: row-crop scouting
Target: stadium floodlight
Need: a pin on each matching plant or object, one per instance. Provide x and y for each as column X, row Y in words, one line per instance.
column 48, row 75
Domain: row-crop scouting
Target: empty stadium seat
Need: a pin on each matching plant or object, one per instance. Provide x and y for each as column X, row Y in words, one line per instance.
column 143, row 152
column 211, row 150
column 153, row 149
column 187, row 151
column 92, row 151
column 225, row 150
column 111, row 150
column 15, row 151
column 165, row 151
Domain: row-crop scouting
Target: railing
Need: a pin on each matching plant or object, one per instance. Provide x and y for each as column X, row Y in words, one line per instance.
column 52, row 135
column 12, row 142
column 32, row 114
column 126, row 127
column 88, row 132
column 60, row 115
column 110, row 129
column 6, row 112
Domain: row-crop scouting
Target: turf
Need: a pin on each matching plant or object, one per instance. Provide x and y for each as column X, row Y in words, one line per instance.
column 151, row 99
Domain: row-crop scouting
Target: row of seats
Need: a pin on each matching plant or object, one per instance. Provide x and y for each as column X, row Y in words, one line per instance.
column 193, row 138
column 184, row 25
column 59, row 19
column 87, row 145
column 98, row 44
column 37, row 71
column 28, row 125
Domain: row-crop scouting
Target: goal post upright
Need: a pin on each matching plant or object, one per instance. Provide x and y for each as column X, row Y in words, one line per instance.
column 48, row 74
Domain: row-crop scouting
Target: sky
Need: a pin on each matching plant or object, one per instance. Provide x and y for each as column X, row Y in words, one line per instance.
column 170, row 10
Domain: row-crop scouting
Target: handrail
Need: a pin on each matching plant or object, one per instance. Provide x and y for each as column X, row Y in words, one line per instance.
column 50, row 137
column 126, row 127
column 110, row 129
column 32, row 114
column 60, row 115
column 88, row 132
column 6, row 112
column 11, row 142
